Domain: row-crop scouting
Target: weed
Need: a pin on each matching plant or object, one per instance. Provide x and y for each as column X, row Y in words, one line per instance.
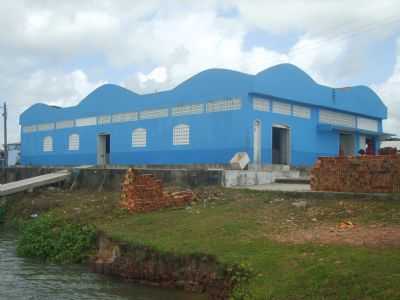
column 55, row 240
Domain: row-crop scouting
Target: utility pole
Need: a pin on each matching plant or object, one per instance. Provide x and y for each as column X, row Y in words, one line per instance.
column 5, row 135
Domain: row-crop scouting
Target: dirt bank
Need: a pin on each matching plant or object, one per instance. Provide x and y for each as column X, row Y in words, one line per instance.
column 194, row 273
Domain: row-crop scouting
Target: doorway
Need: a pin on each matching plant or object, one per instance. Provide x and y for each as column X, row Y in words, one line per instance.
column 257, row 142
column 280, row 144
column 346, row 146
column 103, row 149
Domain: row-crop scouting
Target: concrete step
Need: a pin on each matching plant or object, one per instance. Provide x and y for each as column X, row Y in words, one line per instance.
column 269, row 168
column 248, row 177
column 303, row 180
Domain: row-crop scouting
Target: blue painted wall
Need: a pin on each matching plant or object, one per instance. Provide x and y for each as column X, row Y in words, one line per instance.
column 214, row 137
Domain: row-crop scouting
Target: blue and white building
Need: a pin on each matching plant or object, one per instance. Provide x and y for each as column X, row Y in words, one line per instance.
column 278, row 116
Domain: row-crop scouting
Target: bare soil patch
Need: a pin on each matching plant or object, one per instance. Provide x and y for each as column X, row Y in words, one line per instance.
column 377, row 236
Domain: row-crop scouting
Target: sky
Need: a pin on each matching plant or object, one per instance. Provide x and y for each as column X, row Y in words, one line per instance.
column 57, row 52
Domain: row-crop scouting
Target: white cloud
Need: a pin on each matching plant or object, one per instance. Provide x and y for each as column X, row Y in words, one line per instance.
column 329, row 17
column 389, row 91
column 155, row 80
column 175, row 40
column 53, row 88
column 197, row 42
column 319, row 57
column 58, row 88
column 158, row 75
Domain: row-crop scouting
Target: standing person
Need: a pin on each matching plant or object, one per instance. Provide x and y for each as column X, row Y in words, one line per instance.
column 370, row 148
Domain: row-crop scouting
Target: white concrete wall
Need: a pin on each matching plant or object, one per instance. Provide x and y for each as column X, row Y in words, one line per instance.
column 233, row 178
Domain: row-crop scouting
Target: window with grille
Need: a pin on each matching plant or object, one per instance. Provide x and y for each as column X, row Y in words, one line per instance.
column 336, row 118
column 301, row 112
column 86, row 122
column 73, row 142
column 65, row 124
column 367, row 124
column 281, row 108
column 29, row 129
column 154, row 113
column 102, row 120
column 48, row 144
column 187, row 110
column 45, row 127
column 139, row 137
column 224, row 105
column 181, row 135
column 125, row 117
column 261, row 104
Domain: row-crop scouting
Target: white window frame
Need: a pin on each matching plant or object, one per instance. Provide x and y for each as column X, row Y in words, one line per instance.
column 73, row 142
column 48, row 144
column 65, row 124
column 139, row 138
column 29, row 129
column 154, row 114
column 45, row 126
column 300, row 111
column 184, row 110
column 367, row 124
column 224, row 105
column 82, row 122
column 181, row 135
column 124, row 117
column 104, row 119
column 261, row 104
column 282, row 108
column 337, row 118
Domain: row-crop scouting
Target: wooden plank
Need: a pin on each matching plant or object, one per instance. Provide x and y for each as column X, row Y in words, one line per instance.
column 34, row 182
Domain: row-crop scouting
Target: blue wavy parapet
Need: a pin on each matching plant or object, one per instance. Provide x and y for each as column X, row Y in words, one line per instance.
column 289, row 82
column 284, row 81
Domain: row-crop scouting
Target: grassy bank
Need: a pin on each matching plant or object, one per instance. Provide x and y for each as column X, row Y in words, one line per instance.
column 299, row 248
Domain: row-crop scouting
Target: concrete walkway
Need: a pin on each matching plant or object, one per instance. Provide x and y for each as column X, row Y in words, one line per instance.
column 304, row 191
column 33, row 182
column 284, row 187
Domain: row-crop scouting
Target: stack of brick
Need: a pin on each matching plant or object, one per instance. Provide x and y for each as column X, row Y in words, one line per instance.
column 364, row 174
column 388, row 151
column 144, row 193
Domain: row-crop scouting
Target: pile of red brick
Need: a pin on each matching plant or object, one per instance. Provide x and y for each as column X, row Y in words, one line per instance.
column 364, row 174
column 144, row 193
column 388, row 151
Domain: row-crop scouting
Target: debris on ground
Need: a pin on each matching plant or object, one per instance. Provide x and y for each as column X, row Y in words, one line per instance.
column 300, row 204
column 277, row 200
column 345, row 225
column 209, row 195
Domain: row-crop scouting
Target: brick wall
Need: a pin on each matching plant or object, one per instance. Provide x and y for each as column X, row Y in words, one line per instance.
column 369, row 174
column 144, row 193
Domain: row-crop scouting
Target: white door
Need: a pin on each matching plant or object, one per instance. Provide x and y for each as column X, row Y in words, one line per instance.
column 257, row 142
column 346, row 144
column 101, row 149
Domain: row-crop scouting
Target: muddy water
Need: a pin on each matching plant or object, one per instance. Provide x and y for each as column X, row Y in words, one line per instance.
column 22, row 278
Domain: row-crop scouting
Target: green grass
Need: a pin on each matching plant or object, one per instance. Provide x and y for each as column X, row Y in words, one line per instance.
column 236, row 226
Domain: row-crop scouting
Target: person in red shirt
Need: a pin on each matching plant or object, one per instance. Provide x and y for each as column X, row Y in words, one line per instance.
column 370, row 147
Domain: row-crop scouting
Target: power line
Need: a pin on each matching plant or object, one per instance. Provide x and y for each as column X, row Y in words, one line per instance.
column 345, row 35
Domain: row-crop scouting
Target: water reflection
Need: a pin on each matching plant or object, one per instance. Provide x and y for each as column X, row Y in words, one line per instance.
column 29, row 279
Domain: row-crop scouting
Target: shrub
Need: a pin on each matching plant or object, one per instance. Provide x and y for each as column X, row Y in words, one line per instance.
column 2, row 214
column 241, row 275
column 55, row 240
